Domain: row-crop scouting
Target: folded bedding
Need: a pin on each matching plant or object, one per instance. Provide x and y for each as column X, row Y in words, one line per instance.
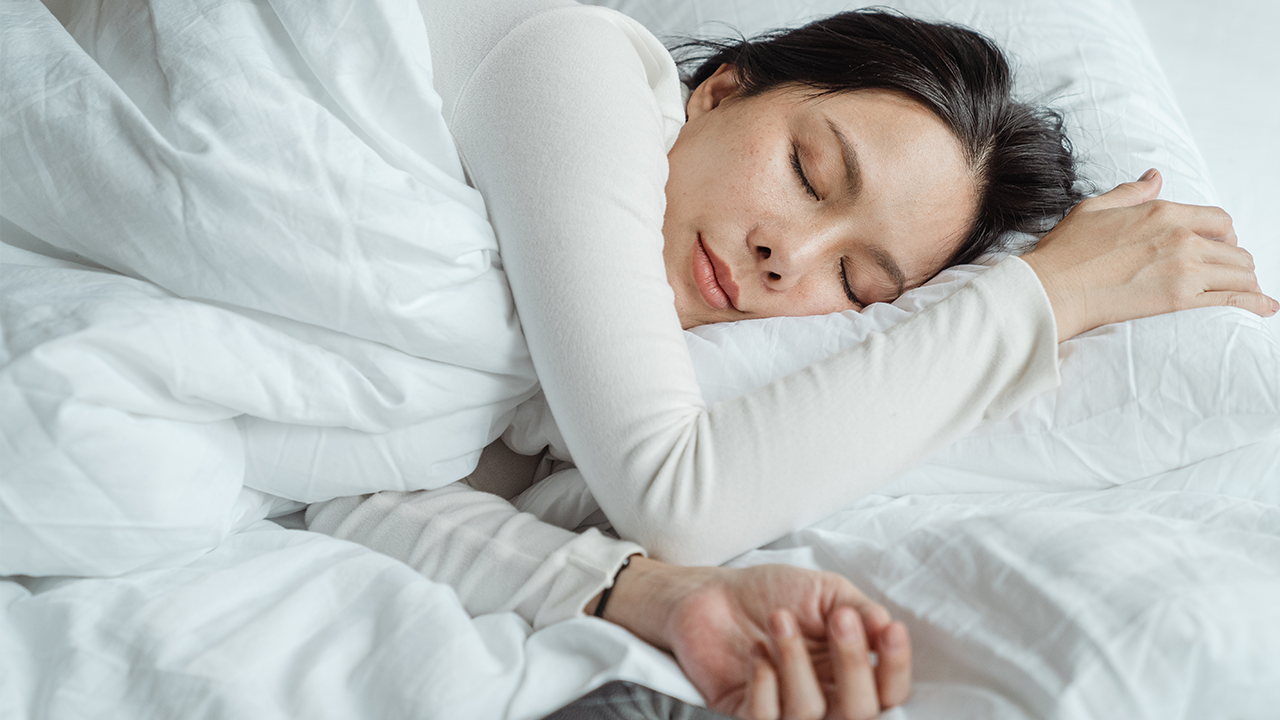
column 305, row 297
column 275, row 624
column 243, row 271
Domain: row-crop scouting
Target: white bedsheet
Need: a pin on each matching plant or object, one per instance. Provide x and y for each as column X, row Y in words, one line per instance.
column 1116, row 604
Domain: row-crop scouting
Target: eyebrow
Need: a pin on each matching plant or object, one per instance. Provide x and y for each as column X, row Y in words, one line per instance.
column 852, row 170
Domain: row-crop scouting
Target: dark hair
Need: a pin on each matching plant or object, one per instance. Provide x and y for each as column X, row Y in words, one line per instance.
column 1019, row 155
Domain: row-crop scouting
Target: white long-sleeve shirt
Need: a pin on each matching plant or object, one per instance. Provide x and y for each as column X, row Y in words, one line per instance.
column 563, row 115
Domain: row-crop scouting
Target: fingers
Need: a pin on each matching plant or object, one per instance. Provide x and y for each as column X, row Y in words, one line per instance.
column 874, row 617
column 1230, row 237
column 762, row 691
column 1145, row 189
column 893, row 673
column 1226, row 277
column 1254, row 302
column 799, row 690
column 1225, row 254
column 856, row 697
column 1208, row 222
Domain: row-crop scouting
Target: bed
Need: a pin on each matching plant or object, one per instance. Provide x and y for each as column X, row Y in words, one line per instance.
column 1111, row 550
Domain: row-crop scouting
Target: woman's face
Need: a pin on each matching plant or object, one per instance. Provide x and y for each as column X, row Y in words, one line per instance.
column 785, row 204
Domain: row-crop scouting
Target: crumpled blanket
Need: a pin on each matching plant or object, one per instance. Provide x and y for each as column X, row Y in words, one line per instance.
column 272, row 280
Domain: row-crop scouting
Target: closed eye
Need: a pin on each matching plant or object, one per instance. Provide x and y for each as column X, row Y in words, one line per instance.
column 804, row 180
column 848, row 290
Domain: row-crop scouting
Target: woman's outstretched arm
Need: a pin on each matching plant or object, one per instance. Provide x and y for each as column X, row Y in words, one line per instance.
column 496, row 558
column 743, row 636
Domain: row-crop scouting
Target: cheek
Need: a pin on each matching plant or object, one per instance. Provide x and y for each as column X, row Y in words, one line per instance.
column 826, row 302
column 695, row 184
column 757, row 174
column 817, row 296
column 741, row 171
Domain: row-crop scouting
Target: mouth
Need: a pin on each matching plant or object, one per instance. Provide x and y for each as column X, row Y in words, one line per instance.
column 713, row 278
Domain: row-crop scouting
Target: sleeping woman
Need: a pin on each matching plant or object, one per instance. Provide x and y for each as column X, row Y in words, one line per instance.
column 811, row 171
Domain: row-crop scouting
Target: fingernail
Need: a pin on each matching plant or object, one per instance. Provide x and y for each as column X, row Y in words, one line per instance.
column 1148, row 174
column 845, row 628
column 783, row 625
column 1275, row 305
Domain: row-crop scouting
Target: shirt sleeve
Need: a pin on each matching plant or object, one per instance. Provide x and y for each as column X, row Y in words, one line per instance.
column 559, row 129
column 496, row 558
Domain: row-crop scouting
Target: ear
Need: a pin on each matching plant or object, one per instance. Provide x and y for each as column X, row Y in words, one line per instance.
column 707, row 96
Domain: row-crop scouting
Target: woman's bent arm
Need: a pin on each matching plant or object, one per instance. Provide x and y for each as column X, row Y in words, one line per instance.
column 560, row 130
column 711, row 619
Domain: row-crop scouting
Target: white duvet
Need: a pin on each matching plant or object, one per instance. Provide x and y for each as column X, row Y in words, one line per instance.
column 304, row 300
column 308, row 300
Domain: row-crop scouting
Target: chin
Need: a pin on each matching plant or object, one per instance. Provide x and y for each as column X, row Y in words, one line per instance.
column 688, row 316
column 687, row 319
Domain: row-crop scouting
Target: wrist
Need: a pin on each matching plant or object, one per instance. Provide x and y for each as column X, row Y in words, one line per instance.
column 645, row 596
column 1063, row 299
column 599, row 604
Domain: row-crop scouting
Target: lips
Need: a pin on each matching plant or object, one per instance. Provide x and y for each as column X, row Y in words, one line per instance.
column 713, row 278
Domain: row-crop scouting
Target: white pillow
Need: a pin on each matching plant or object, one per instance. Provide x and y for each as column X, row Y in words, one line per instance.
column 1137, row 399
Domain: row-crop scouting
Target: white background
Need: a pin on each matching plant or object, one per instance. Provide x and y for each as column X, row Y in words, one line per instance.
column 1222, row 61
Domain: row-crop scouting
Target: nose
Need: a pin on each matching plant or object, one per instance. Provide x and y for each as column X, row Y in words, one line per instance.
column 772, row 277
column 783, row 258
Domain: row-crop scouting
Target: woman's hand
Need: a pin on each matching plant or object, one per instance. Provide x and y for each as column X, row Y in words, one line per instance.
column 770, row 641
column 1126, row 255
